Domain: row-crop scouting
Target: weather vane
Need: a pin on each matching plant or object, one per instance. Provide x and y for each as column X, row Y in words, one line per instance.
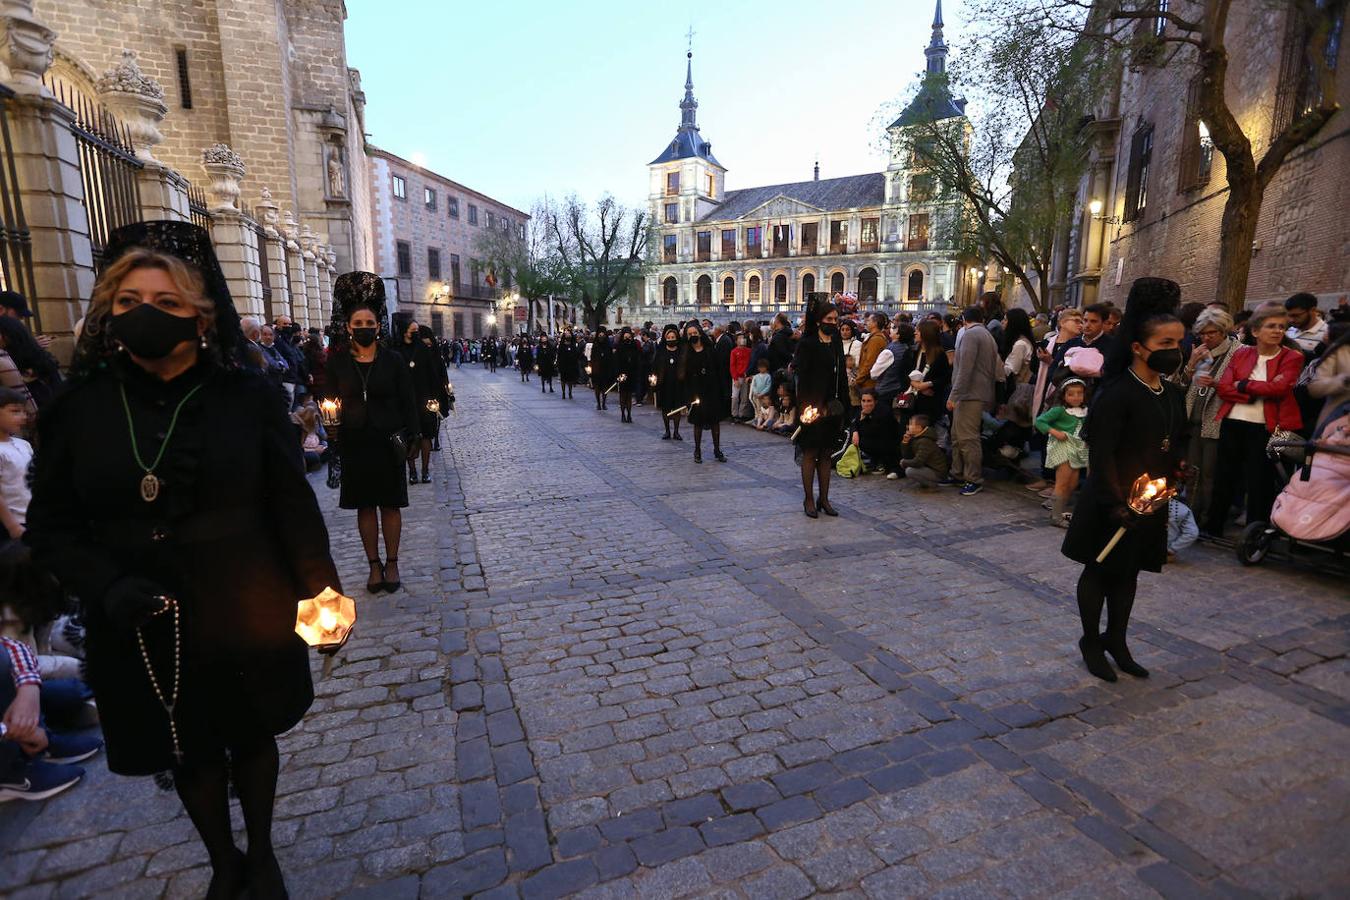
column 690, row 35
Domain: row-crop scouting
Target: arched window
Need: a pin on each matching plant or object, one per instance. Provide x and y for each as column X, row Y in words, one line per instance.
column 669, row 292
column 780, row 289
column 808, row 284
column 837, row 283
column 752, row 289
column 867, row 285
column 728, row 290
column 915, row 291
column 703, row 290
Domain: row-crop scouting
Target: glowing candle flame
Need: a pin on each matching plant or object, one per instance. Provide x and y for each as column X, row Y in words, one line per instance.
column 651, row 379
column 325, row 621
column 330, row 412
column 810, row 414
column 328, row 619
column 433, row 406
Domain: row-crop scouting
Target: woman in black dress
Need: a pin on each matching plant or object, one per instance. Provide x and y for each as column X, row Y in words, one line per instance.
column 423, row 363
column 668, row 391
column 379, row 412
column 701, row 380
column 525, row 358
column 548, row 364
column 170, row 496
column 569, row 364
column 628, row 366
column 602, row 367
column 1136, row 424
column 822, row 384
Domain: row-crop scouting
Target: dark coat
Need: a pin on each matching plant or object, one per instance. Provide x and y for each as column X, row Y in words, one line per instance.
column 701, row 378
column 548, row 361
column 781, row 350
column 1124, row 432
column 602, row 363
column 372, row 473
column 569, row 361
column 429, row 381
column 235, row 536
column 821, row 380
column 525, row 357
column 669, row 391
column 627, row 361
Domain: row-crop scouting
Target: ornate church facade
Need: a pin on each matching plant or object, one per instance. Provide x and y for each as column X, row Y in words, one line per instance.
column 724, row 254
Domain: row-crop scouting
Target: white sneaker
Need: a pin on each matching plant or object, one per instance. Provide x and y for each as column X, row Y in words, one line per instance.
column 892, row 476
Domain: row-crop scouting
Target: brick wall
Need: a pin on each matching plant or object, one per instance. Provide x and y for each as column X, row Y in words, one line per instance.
column 412, row 221
column 263, row 73
column 1304, row 233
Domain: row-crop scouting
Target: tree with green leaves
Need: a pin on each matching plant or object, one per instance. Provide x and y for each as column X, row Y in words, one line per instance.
column 1009, row 173
column 600, row 252
column 528, row 265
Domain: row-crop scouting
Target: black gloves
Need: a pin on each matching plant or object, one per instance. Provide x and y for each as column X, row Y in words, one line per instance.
column 132, row 601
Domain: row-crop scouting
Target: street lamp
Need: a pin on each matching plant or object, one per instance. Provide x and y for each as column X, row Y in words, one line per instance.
column 1095, row 207
column 492, row 319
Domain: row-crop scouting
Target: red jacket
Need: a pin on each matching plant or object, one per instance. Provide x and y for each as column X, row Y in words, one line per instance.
column 1277, row 389
column 740, row 359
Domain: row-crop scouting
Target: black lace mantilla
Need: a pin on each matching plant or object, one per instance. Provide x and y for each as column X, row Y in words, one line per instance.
column 192, row 245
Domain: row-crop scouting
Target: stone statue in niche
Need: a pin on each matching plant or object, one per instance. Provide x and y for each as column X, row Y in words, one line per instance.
column 336, row 185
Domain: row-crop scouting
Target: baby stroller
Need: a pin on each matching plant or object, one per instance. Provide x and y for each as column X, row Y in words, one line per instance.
column 1312, row 513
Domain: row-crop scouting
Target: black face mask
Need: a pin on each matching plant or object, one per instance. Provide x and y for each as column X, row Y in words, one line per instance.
column 829, row 330
column 150, row 333
column 1165, row 362
column 364, row 337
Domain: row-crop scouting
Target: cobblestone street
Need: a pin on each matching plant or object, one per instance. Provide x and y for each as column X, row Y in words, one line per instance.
column 618, row 673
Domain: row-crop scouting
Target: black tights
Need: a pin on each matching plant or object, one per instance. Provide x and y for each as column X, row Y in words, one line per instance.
column 1097, row 588
column 203, row 789
column 599, row 396
column 569, row 390
column 816, row 466
column 715, row 428
column 667, row 419
column 390, row 521
column 426, row 462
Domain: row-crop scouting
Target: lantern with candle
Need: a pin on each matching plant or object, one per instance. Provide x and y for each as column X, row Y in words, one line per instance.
column 651, row 379
column 809, row 415
column 434, row 406
column 330, row 412
column 622, row 379
column 325, row 622
column 1147, row 496
column 688, row 406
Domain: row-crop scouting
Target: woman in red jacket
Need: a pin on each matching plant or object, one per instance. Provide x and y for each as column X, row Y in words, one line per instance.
column 1257, row 396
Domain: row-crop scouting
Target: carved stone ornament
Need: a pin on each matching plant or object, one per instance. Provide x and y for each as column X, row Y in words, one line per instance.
column 25, row 47
column 308, row 240
column 270, row 212
column 225, row 168
column 138, row 101
column 128, row 78
column 289, row 230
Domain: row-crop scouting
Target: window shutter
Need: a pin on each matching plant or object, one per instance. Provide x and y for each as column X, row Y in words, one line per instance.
column 1132, row 181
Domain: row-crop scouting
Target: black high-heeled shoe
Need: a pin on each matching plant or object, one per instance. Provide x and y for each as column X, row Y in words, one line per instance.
column 1095, row 659
column 1121, row 654
column 371, row 585
column 230, row 882
column 698, row 454
column 391, row 586
column 826, row 508
column 677, row 436
column 719, row 456
column 426, row 478
column 412, row 478
column 810, row 509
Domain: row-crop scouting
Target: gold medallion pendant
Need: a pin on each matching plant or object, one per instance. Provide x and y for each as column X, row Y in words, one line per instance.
column 149, row 487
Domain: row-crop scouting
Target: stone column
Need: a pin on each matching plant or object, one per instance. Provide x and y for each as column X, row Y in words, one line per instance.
column 47, row 166
column 138, row 102
column 232, row 232
column 275, row 244
column 308, row 243
column 322, row 254
column 295, row 272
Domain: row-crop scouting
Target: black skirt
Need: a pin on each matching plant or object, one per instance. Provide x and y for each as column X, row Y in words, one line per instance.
column 372, row 470
column 429, row 423
column 823, row 434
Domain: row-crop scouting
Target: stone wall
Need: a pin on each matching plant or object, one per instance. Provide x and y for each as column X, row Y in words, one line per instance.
column 1303, row 234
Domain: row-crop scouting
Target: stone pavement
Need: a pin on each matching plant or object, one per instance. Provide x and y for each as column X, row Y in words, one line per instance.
column 614, row 672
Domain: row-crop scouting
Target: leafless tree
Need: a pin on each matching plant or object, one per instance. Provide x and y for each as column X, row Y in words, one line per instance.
column 600, row 252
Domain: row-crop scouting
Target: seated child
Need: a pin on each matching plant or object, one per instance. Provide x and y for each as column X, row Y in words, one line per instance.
column 761, row 384
column 1181, row 528
column 920, row 456
column 786, row 422
column 764, row 412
